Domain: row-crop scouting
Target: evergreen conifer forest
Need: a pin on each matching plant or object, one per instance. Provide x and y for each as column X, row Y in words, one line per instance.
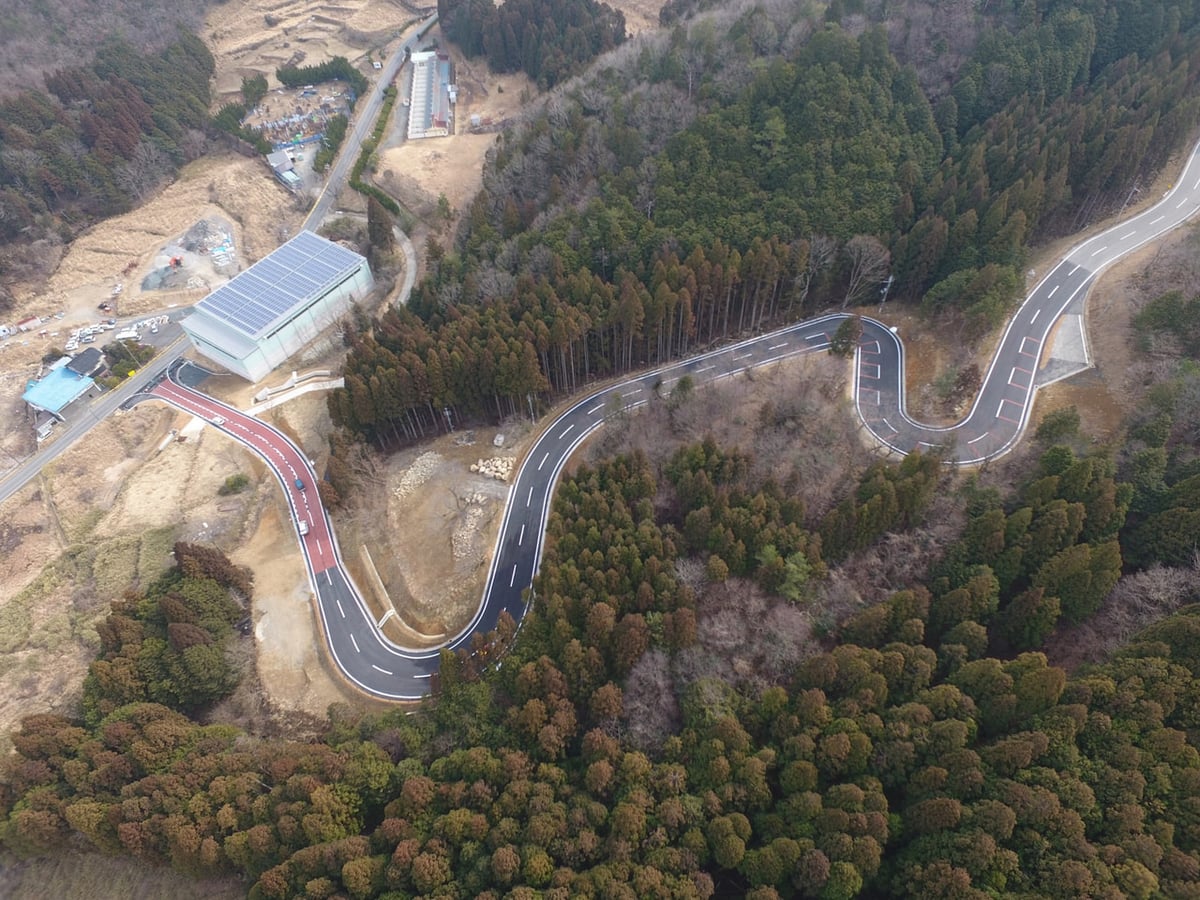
column 655, row 728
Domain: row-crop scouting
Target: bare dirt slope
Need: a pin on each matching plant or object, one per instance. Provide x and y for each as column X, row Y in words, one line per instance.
column 124, row 249
column 442, row 520
column 640, row 15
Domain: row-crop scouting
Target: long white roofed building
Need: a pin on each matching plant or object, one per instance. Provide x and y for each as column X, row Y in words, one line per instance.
column 266, row 314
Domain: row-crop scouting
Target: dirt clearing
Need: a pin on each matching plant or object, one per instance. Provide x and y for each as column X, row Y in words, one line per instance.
column 417, row 172
column 232, row 190
column 432, row 557
column 640, row 15
column 260, row 36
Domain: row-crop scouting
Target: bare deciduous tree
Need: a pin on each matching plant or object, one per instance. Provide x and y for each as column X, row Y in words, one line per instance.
column 822, row 251
column 194, row 144
column 650, row 709
column 145, row 171
column 869, row 261
column 1138, row 600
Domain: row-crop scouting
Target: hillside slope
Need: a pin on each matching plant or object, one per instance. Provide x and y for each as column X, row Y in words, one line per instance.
column 39, row 36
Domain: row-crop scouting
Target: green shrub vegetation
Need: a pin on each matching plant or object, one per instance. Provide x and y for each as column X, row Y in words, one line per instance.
column 229, row 119
column 368, row 150
column 331, row 142
column 124, row 357
column 234, row 484
column 254, row 88
column 168, row 645
column 338, row 67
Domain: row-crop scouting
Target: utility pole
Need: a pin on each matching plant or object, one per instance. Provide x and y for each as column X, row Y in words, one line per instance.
column 1134, row 190
column 883, row 291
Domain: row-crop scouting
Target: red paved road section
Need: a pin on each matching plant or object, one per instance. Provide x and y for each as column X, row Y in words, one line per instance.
column 287, row 463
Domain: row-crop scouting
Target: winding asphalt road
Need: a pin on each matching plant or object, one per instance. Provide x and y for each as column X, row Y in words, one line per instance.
column 1001, row 409
column 359, row 649
column 994, row 425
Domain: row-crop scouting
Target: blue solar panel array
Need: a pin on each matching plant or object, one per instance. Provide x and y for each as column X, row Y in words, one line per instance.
column 298, row 272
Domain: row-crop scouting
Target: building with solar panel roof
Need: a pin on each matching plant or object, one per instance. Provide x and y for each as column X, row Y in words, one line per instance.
column 272, row 310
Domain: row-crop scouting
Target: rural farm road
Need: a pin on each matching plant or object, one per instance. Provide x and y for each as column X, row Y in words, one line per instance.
column 367, row 112
column 993, row 426
column 84, row 416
